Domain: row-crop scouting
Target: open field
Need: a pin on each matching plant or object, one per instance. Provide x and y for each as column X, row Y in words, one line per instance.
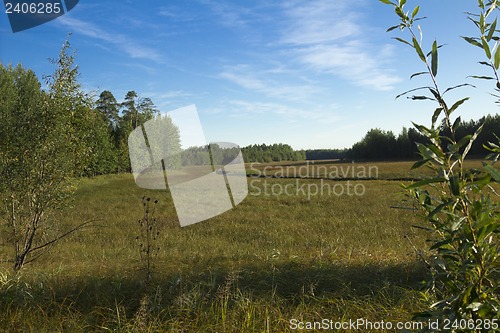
column 274, row 258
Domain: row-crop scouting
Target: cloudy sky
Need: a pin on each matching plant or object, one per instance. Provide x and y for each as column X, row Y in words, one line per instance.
column 313, row 74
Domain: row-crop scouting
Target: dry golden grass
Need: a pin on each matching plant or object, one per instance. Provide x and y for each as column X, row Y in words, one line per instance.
column 273, row 258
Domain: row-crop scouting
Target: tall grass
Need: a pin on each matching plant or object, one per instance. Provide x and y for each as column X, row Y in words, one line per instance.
column 252, row 269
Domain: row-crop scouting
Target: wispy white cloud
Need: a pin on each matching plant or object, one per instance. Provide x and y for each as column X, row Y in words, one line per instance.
column 327, row 37
column 176, row 13
column 323, row 36
column 242, row 108
column 269, row 83
column 122, row 42
column 349, row 61
column 314, row 22
column 229, row 14
column 148, row 69
column 174, row 94
column 244, row 81
column 168, row 100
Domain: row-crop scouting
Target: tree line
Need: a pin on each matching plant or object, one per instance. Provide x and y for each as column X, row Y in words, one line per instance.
column 378, row 144
column 272, row 153
column 98, row 129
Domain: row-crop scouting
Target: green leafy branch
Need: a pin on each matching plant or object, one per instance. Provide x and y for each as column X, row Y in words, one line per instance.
column 455, row 200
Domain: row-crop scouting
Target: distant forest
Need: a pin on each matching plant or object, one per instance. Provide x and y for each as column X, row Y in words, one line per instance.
column 378, row 144
column 272, row 153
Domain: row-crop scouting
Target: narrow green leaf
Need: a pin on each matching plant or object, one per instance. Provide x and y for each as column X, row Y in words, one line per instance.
column 411, row 90
column 422, row 228
column 481, row 77
column 415, row 12
column 472, row 41
column 459, row 86
column 435, row 93
column 496, row 59
column 417, row 74
column 456, row 105
column 485, row 63
column 420, row 18
column 474, row 137
column 439, row 244
column 402, row 41
column 494, row 173
column 393, row 27
column 443, row 303
column 422, row 129
column 436, row 151
column 434, row 58
column 486, row 47
column 461, row 143
column 388, row 2
column 486, row 231
column 492, row 8
column 400, row 13
column 418, row 164
column 457, row 224
column 432, row 155
column 421, row 98
column 436, row 114
column 417, row 47
column 455, row 185
column 492, row 147
column 456, row 123
column 492, row 30
column 402, row 3
column 471, row 14
column 481, row 182
column 476, row 23
column 425, row 182
column 430, row 52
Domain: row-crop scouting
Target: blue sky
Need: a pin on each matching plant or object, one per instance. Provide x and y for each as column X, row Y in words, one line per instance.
column 313, row 74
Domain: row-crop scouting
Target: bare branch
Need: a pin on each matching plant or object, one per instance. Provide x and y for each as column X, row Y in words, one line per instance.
column 78, row 227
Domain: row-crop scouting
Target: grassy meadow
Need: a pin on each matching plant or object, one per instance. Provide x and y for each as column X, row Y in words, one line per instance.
column 273, row 258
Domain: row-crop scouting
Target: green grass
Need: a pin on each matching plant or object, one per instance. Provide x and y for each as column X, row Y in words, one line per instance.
column 252, row 269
